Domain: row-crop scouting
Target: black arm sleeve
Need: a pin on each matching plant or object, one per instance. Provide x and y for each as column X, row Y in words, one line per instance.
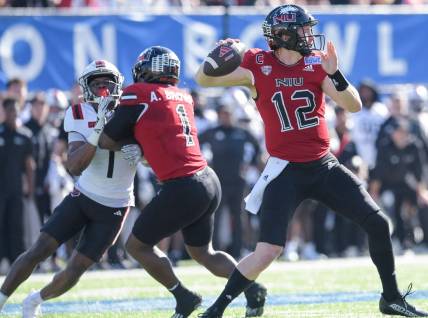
column 121, row 125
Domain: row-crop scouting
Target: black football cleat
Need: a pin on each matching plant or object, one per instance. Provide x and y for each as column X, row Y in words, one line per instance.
column 256, row 298
column 400, row 306
column 211, row 312
column 187, row 304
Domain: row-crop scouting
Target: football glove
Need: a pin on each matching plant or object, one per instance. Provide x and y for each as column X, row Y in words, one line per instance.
column 104, row 107
column 131, row 153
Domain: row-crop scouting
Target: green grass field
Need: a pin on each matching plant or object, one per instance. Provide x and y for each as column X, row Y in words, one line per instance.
column 328, row 288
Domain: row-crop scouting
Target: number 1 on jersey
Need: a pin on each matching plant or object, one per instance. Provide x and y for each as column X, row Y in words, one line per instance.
column 185, row 122
column 110, row 164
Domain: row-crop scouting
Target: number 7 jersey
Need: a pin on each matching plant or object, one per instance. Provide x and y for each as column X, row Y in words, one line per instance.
column 291, row 103
column 109, row 179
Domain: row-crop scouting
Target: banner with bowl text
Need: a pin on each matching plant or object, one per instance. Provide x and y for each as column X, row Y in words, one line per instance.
column 50, row 51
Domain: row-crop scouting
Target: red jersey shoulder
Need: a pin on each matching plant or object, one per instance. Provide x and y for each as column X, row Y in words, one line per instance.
column 253, row 56
column 135, row 94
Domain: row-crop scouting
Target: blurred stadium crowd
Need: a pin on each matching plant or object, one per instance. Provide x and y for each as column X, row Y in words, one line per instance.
column 114, row 4
column 386, row 144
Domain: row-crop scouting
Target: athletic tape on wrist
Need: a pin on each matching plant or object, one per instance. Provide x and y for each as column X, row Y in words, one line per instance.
column 93, row 138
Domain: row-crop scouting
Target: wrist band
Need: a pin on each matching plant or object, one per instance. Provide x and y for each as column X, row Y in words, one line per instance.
column 339, row 81
column 93, row 138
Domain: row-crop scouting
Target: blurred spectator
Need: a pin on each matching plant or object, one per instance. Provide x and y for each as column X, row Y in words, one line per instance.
column 17, row 166
column 58, row 103
column 76, row 3
column 43, row 136
column 367, row 122
column 17, row 88
column 244, row 110
column 348, row 238
column 2, row 115
column 205, row 118
column 59, row 181
column 418, row 112
column 399, row 171
column 75, row 94
column 398, row 109
column 31, row 3
column 230, row 151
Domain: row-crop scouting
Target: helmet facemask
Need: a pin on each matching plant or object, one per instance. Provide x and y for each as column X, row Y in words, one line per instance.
column 94, row 89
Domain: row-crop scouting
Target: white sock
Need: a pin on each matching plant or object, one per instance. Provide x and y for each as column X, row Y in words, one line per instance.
column 3, row 299
column 35, row 297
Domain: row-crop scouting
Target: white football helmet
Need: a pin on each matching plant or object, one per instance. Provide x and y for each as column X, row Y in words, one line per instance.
column 96, row 69
column 56, row 98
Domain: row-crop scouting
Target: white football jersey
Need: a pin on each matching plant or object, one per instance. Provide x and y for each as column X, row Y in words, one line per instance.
column 109, row 179
column 364, row 131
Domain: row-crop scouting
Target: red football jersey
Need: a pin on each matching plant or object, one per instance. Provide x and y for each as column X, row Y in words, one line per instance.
column 291, row 102
column 166, row 129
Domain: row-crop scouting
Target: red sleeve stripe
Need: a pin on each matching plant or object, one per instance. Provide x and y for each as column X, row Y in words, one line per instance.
column 77, row 111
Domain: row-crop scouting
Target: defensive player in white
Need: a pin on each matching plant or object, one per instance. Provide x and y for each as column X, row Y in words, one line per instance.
column 98, row 205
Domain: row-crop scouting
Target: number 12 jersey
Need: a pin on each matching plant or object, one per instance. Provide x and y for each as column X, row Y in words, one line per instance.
column 291, row 103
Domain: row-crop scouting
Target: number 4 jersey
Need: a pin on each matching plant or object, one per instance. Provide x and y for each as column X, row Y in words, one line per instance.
column 291, row 102
column 160, row 117
column 109, row 179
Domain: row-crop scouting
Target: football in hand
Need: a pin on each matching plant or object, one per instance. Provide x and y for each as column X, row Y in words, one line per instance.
column 224, row 59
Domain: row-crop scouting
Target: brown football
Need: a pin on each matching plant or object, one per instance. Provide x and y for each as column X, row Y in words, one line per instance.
column 224, row 59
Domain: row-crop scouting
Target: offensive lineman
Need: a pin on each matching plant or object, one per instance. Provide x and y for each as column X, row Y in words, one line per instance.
column 98, row 205
column 160, row 117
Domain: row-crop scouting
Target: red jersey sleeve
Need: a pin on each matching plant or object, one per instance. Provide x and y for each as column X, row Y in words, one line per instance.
column 133, row 95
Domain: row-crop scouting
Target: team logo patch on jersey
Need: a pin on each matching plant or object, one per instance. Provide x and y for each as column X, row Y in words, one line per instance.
column 266, row 69
column 312, row 60
column 308, row 68
column 91, row 124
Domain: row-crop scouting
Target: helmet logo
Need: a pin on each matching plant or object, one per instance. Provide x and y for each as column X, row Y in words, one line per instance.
column 145, row 56
column 287, row 9
column 282, row 18
column 100, row 63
